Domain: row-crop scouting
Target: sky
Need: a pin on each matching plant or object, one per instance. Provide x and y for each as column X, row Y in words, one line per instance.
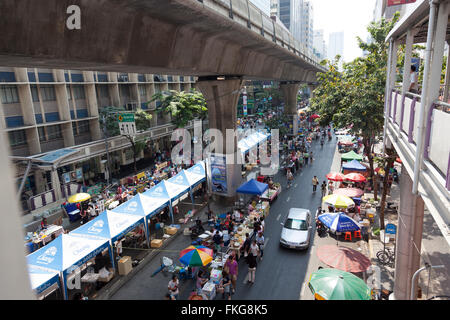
column 350, row 16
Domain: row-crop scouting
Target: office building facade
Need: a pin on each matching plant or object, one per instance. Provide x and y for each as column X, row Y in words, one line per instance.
column 47, row 113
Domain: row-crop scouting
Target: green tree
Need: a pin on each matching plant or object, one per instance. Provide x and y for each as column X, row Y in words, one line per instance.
column 182, row 106
column 354, row 98
column 108, row 116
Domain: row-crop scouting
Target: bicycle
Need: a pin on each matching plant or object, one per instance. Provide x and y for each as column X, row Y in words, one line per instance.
column 386, row 257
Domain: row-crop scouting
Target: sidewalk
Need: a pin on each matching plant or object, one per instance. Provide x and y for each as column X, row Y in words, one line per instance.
column 314, row 263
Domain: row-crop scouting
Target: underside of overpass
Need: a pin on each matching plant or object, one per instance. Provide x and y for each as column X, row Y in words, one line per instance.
column 182, row 37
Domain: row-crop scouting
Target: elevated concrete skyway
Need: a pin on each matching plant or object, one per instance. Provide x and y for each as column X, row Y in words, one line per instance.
column 182, row 37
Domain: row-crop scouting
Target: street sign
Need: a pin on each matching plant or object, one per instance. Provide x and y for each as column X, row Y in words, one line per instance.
column 390, row 228
column 127, row 124
column 126, row 117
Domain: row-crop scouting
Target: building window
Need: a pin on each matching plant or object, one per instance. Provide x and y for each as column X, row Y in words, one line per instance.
column 48, row 93
column 142, row 90
column 9, row 94
column 54, row 132
column 102, row 91
column 17, row 138
column 42, row 136
column 69, row 95
column 78, row 92
column 83, row 127
column 34, row 93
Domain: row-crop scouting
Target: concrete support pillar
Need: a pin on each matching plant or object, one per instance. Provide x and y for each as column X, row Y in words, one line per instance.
column 409, row 237
column 290, row 92
column 56, row 184
column 222, row 97
column 40, row 181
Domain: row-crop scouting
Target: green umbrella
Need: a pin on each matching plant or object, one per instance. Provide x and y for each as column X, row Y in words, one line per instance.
column 335, row 284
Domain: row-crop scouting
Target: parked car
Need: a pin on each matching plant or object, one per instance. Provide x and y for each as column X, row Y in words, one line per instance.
column 297, row 229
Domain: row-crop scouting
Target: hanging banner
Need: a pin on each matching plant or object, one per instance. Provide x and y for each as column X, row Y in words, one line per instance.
column 244, row 102
column 218, row 174
column 399, row 2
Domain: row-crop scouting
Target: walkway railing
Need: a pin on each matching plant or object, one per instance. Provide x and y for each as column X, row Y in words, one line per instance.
column 404, row 109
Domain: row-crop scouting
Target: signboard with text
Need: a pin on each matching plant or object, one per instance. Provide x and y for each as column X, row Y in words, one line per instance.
column 127, row 124
column 399, row 2
column 218, row 174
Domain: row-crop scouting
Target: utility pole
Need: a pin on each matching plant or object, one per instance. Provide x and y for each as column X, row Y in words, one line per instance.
column 105, row 134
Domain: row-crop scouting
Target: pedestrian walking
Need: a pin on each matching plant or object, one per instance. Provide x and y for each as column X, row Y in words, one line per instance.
column 251, row 261
column 289, row 177
column 260, row 242
column 254, row 248
column 311, row 157
column 231, row 268
column 324, row 188
column 225, row 285
column 173, row 287
column 315, row 182
column 306, row 157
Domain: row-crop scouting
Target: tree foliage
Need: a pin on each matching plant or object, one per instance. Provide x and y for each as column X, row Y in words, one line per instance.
column 110, row 113
column 354, row 98
column 182, row 106
column 142, row 121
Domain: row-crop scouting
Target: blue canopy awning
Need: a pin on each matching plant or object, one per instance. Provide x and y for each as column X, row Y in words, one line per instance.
column 142, row 204
column 67, row 252
column 253, row 187
column 42, row 279
column 182, row 183
column 109, row 225
column 354, row 165
column 198, row 168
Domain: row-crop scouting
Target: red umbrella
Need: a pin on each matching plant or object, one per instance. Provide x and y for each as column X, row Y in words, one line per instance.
column 335, row 176
column 343, row 258
column 398, row 160
column 315, row 116
column 349, row 192
column 355, row 177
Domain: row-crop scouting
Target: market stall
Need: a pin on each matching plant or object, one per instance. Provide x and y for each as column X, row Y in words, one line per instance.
column 44, row 282
column 116, row 227
column 355, row 166
column 271, row 193
column 145, row 205
column 352, row 155
column 42, row 237
column 69, row 254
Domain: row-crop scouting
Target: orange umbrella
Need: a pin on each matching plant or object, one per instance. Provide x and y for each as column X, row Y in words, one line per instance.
column 335, row 176
column 355, row 177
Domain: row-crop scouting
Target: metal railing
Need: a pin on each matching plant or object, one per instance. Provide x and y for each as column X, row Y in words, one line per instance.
column 246, row 13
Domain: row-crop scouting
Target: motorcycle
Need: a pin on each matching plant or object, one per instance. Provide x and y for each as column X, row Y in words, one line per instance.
column 321, row 228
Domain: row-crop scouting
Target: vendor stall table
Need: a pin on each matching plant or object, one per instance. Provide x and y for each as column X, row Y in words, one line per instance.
column 271, row 194
column 45, row 236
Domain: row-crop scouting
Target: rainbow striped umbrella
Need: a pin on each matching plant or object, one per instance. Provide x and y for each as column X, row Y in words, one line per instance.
column 196, row 256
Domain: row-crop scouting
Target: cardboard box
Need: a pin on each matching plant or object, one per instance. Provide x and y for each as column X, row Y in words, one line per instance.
column 124, row 265
column 156, row 243
column 171, row 230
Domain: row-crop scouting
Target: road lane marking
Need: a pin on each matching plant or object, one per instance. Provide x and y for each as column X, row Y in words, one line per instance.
column 246, row 279
column 279, row 216
column 295, row 185
column 288, row 198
